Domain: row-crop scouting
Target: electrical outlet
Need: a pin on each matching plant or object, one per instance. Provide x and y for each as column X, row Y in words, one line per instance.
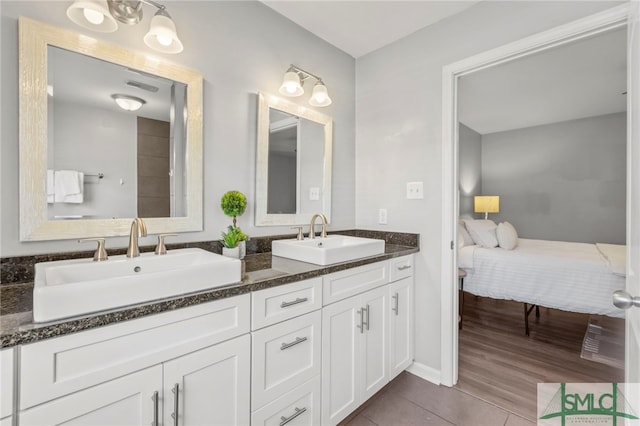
column 415, row 191
column 314, row 193
column 382, row 216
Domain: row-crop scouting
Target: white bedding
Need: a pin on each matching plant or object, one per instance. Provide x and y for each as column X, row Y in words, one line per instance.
column 569, row 276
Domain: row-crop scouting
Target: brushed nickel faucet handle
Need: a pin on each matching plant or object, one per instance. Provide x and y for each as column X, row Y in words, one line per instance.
column 160, row 247
column 100, row 253
column 300, row 235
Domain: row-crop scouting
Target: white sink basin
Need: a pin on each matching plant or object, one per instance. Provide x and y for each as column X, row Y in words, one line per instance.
column 329, row 250
column 68, row 288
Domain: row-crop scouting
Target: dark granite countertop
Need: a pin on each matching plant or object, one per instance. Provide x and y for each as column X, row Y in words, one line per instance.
column 261, row 271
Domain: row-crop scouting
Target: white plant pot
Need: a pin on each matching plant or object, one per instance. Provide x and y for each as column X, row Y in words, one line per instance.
column 231, row 252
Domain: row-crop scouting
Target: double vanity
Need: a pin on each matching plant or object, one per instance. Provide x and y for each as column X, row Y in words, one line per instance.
column 291, row 342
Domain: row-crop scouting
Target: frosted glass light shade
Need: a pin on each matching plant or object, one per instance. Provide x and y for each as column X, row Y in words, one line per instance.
column 93, row 15
column 162, row 35
column 291, row 84
column 320, row 96
column 128, row 103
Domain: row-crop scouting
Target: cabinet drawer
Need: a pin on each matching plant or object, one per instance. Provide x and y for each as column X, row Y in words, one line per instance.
column 343, row 284
column 55, row 367
column 281, row 303
column 400, row 267
column 284, row 356
column 301, row 406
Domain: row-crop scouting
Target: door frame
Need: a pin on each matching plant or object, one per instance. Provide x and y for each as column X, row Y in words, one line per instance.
column 591, row 25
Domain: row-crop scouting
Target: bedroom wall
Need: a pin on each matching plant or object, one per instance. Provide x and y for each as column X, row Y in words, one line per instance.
column 563, row 181
column 469, row 167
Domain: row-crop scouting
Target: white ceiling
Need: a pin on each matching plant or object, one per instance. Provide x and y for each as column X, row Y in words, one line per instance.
column 579, row 80
column 362, row 26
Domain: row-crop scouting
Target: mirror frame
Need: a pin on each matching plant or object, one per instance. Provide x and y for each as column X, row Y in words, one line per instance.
column 263, row 218
column 34, row 38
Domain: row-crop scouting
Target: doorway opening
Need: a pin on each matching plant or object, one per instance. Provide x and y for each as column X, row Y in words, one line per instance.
column 493, row 310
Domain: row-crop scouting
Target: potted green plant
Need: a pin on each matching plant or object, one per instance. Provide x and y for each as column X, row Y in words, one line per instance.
column 231, row 241
column 234, row 204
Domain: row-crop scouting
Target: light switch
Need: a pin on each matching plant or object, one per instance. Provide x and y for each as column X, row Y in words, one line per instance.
column 415, row 190
column 314, row 193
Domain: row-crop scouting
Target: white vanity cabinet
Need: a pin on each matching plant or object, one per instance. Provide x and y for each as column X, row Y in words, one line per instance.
column 6, row 386
column 360, row 333
column 285, row 354
column 401, row 321
column 184, row 367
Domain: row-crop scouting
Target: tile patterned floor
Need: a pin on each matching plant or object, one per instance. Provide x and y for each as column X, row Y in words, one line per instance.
column 409, row 400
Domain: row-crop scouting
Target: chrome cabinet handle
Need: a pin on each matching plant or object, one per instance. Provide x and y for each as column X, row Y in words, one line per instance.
column 396, row 297
column 402, row 268
column 367, row 312
column 295, row 302
column 154, row 398
column 176, row 392
column 361, row 326
column 284, row 420
column 295, row 342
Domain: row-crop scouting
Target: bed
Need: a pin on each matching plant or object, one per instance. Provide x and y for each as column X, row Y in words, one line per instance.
column 576, row 277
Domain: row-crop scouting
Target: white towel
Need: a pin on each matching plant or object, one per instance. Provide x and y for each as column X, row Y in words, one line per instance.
column 51, row 188
column 69, row 186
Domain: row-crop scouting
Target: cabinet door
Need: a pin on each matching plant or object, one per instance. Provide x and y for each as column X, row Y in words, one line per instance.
column 341, row 357
column 128, row 400
column 209, row 387
column 374, row 363
column 400, row 326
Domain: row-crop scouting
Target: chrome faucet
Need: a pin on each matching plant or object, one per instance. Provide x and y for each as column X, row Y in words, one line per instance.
column 138, row 229
column 312, row 232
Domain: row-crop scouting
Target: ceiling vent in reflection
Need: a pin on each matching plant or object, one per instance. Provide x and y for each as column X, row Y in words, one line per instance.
column 143, row 86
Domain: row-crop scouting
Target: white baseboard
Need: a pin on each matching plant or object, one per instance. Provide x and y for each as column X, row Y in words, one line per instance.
column 425, row 372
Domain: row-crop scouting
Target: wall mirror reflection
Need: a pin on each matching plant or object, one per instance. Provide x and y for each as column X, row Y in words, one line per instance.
column 293, row 163
column 106, row 135
column 115, row 140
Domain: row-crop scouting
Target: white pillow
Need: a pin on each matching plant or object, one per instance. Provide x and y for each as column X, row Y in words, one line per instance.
column 466, row 238
column 483, row 232
column 507, row 236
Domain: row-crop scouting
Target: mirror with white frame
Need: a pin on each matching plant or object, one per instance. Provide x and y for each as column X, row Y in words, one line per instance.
column 63, row 123
column 293, row 176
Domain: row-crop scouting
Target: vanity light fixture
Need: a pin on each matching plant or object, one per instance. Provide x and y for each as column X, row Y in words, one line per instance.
column 127, row 102
column 292, row 86
column 103, row 16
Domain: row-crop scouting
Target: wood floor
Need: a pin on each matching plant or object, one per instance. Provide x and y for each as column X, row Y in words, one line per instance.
column 498, row 363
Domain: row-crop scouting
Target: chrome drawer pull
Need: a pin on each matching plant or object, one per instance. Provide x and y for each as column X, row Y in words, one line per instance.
column 285, row 420
column 295, row 342
column 154, row 398
column 295, row 302
column 361, row 326
column 174, row 415
column 402, row 268
column 396, row 297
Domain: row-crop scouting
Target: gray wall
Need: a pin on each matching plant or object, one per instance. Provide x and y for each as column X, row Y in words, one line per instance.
column 562, row 181
column 240, row 47
column 399, row 132
column 469, row 167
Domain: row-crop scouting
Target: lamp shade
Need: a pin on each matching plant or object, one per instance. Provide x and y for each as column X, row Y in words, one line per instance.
column 162, row 35
column 320, row 96
column 93, row 15
column 291, row 84
column 486, row 204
